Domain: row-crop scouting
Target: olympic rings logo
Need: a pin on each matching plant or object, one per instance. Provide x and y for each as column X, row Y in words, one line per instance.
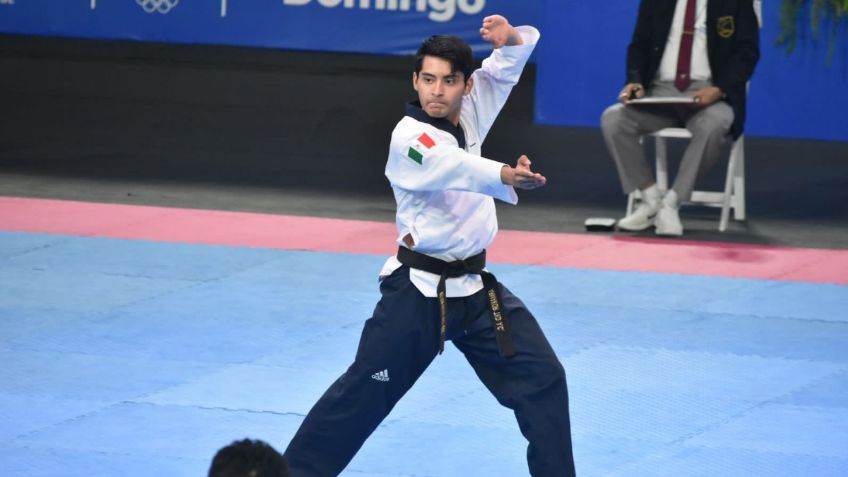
column 161, row 6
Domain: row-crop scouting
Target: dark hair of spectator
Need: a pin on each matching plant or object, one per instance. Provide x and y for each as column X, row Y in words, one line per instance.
column 249, row 458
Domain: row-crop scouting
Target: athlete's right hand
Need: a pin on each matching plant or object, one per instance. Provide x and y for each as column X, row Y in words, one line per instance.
column 521, row 176
column 497, row 31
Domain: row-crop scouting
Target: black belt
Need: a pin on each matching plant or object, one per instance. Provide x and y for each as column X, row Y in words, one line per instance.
column 471, row 265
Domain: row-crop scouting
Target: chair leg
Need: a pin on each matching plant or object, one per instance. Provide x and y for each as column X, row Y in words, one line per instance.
column 662, row 164
column 739, row 181
column 731, row 197
column 727, row 196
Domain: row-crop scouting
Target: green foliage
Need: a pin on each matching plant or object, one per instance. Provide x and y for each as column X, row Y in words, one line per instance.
column 790, row 12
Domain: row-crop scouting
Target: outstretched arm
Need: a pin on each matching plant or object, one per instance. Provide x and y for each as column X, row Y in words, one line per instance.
column 419, row 160
column 497, row 31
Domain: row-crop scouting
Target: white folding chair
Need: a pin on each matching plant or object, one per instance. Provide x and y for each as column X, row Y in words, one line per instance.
column 733, row 195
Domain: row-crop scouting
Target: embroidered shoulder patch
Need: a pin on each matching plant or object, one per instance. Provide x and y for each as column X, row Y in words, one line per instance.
column 414, row 153
column 726, row 27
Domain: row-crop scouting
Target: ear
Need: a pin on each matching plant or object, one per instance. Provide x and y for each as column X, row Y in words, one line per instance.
column 468, row 85
column 415, row 81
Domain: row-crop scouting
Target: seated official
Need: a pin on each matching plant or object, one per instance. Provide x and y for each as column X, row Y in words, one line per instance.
column 702, row 49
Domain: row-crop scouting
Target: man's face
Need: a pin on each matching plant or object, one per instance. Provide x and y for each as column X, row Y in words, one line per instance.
column 440, row 90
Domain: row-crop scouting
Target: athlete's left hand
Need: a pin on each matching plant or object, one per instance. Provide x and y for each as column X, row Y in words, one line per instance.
column 497, row 31
column 521, row 176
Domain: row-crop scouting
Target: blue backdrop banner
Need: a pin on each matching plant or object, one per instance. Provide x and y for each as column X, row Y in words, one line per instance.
column 581, row 55
column 359, row 26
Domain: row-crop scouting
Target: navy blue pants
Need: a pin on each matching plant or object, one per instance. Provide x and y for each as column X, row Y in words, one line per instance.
column 398, row 343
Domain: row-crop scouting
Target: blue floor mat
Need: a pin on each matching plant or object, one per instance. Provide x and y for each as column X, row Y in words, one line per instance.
column 138, row 358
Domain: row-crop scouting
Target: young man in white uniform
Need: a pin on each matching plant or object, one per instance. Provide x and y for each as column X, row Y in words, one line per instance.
column 435, row 289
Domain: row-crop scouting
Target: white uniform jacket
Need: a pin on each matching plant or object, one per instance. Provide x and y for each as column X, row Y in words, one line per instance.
column 444, row 189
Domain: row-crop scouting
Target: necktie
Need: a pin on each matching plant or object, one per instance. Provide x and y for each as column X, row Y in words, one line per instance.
column 684, row 57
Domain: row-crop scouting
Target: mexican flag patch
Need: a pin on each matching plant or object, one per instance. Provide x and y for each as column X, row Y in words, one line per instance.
column 415, row 154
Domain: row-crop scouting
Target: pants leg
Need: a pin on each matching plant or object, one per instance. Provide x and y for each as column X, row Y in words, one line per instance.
column 622, row 126
column 401, row 338
column 531, row 383
column 709, row 127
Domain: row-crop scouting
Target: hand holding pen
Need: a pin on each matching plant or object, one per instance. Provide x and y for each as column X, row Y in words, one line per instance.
column 631, row 91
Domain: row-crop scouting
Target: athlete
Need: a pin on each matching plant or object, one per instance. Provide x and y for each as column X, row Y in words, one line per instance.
column 436, row 288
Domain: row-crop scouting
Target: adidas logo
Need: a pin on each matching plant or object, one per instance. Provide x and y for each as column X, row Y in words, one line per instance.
column 381, row 376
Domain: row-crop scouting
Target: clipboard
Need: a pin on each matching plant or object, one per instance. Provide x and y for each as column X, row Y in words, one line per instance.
column 678, row 100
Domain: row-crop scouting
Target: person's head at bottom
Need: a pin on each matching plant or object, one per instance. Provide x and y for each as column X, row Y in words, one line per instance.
column 248, row 458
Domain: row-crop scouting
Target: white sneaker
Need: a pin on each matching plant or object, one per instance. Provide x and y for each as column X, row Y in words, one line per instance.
column 639, row 219
column 668, row 221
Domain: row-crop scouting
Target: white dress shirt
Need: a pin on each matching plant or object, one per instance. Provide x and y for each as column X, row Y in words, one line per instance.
column 699, row 69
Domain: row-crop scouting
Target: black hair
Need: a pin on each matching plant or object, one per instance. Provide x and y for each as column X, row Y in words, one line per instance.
column 451, row 48
column 249, row 458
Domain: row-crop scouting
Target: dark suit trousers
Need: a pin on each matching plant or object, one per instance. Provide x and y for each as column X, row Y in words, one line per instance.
column 398, row 343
